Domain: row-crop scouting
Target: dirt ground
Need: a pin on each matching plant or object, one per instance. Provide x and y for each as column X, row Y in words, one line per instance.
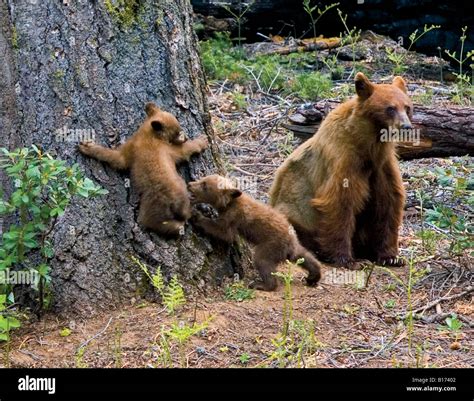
column 353, row 328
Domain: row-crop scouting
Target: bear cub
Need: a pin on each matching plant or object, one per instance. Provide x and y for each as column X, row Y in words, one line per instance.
column 269, row 231
column 151, row 155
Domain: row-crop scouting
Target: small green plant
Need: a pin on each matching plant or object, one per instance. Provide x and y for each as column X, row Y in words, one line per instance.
column 7, row 320
column 312, row 11
column 453, row 325
column 244, row 358
column 429, row 240
column 266, row 72
column 390, row 304
column 42, row 188
column 239, row 13
column 286, row 147
column 334, row 66
column 425, row 98
column 65, row 332
column 443, row 222
column 297, row 338
column 312, row 86
column 238, row 292
column 414, row 275
column 172, row 295
column 178, row 332
column 287, row 279
column 351, row 36
column 80, row 357
column 239, row 100
column 464, row 88
column 398, row 59
column 221, row 60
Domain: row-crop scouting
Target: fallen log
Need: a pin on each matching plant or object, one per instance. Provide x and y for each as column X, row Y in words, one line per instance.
column 305, row 45
column 444, row 131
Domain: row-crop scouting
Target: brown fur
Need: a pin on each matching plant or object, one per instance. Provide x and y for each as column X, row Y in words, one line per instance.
column 274, row 238
column 151, row 155
column 342, row 189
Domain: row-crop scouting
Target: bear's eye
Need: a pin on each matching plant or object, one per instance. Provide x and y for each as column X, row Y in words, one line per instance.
column 204, row 185
column 408, row 110
column 390, row 110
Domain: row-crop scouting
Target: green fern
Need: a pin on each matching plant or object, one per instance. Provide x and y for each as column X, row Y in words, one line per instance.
column 179, row 333
column 173, row 296
column 157, row 281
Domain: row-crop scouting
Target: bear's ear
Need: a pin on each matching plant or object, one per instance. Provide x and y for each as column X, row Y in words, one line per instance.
column 150, row 108
column 363, row 86
column 400, row 83
column 235, row 193
column 156, row 125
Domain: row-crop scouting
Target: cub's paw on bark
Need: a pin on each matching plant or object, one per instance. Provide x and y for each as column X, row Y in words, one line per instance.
column 87, row 147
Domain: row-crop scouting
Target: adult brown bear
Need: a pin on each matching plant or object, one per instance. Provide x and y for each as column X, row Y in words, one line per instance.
column 342, row 189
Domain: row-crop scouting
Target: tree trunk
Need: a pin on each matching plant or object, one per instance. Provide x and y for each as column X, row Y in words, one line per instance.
column 92, row 65
column 443, row 131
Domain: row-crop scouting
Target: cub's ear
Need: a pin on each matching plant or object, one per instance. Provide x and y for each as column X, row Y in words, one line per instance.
column 363, row 86
column 156, row 125
column 150, row 108
column 400, row 83
column 235, row 193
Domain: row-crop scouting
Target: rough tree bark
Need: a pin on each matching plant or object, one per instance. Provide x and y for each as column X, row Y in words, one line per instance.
column 444, row 132
column 92, row 64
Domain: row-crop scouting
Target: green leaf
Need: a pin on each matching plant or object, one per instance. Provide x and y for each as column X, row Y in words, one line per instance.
column 43, row 270
column 13, row 322
column 65, row 332
column 33, row 172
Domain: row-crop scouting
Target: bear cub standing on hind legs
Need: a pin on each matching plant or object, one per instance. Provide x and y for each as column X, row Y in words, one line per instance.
column 274, row 238
column 151, row 155
column 342, row 189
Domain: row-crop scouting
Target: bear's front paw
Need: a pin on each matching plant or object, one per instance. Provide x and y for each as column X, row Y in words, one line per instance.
column 350, row 263
column 87, row 147
column 197, row 218
column 393, row 261
column 312, row 281
column 202, row 142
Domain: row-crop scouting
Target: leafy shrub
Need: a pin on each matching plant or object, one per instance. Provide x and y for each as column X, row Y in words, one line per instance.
column 42, row 188
column 311, row 86
column 238, row 292
column 221, row 60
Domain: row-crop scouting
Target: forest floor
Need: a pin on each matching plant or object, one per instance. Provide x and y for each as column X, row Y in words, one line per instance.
column 358, row 321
